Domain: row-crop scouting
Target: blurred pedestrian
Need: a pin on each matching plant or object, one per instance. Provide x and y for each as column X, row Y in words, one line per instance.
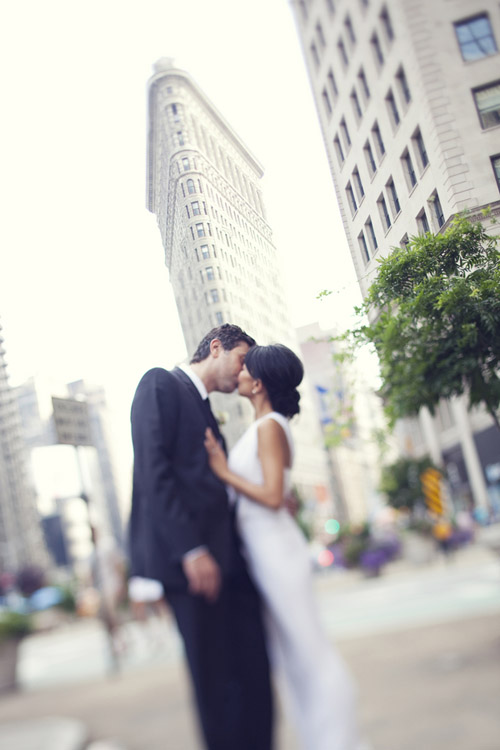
column 182, row 534
column 316, row 682
column 108, row 572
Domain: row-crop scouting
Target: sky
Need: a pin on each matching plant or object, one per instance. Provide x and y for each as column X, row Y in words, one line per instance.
column 84, row 292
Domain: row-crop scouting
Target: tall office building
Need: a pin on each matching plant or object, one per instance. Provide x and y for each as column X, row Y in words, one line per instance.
column 21, row 536
column 408, row 98
column 203, row 186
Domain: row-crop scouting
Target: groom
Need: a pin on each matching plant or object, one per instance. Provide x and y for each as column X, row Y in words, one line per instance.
column 182, row 533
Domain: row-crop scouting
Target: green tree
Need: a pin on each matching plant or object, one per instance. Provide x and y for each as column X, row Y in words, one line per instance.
column 435, row 307
column 400, row 482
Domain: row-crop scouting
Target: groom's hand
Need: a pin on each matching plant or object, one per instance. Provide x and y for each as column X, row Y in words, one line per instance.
column 203, row 574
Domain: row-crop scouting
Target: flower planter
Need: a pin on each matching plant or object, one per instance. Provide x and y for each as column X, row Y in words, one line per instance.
column 8, row 663
column 418, row 549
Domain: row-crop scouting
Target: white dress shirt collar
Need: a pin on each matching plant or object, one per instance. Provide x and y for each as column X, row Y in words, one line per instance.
column 195, row 379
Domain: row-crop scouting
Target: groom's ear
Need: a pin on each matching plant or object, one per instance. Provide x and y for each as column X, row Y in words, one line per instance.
column 215, row 348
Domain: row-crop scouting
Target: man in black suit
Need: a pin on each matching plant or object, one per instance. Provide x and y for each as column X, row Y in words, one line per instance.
column 182, row 533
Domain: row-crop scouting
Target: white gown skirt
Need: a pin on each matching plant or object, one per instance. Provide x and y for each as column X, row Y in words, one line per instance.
column 318, row 689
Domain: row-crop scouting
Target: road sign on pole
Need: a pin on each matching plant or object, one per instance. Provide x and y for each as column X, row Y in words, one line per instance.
column 433, row 492
column 71, row 420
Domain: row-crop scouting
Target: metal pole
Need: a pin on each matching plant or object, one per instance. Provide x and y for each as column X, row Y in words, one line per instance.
column 104, row 616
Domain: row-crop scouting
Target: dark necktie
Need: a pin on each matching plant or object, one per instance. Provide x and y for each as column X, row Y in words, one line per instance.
column 212, row 423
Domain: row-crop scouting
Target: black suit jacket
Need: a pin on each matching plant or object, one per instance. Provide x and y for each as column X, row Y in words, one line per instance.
column 177, row 501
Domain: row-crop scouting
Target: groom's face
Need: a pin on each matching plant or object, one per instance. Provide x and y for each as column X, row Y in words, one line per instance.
column 229, row 365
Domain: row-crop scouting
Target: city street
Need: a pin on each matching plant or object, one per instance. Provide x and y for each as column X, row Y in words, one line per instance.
column 423, row 645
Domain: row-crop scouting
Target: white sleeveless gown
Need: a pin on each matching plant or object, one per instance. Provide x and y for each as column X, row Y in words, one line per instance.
column 318, row 689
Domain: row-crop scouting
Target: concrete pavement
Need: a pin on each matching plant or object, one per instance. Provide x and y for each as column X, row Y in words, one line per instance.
column 432, row 685
column 424, row 688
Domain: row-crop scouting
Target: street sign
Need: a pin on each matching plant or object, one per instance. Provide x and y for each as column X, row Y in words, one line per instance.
column 71, row 420
column 431, row 486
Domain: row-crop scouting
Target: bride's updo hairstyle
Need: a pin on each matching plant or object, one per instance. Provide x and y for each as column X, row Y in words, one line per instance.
column 281, row 371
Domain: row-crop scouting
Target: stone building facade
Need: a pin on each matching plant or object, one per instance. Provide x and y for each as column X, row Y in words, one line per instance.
column 203, row 186
column 408, row 98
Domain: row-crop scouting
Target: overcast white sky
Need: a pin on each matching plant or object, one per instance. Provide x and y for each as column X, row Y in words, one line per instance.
column 83, row 287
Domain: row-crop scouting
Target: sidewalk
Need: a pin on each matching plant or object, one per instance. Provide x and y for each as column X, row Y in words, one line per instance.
column 426, row 688
column 423, row 645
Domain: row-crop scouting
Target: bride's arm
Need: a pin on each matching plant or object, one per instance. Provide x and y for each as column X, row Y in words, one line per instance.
column 273, row 455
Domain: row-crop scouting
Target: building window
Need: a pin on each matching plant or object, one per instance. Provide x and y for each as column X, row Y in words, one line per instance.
column 343, row 53
column 393, row 110
column 475, row 37
column 180, row 138
column 205, row 253
column 404, row 242
column 214, row 294
column 420, row 149
column 197, row 258
column 363, row 247
column 370, row 161
column 384, row 213
column 422, row 223
column 358, row 184
column 303, row 8
column 349, row 29
column 314, row 54
column 195, row 207
column 200, row 230
column 371, row 235
column 330, row 6
column 187, row 211
column 345, row 133
column 356, row 105
column 351, row 199
column 326, row 102
column 338, row 150
column 487, row 100
column 393, row 197
column 210, row 273
column 495, row 163
column 219, row 318
column 185, row 163
column 387, row 25
column 436, row 209
column 364, row 84
column 377, row 50
column 409, row 172
column 333, row 83
column 403, row 86
column 190, row 186
column 319, row 35
column 377, row 138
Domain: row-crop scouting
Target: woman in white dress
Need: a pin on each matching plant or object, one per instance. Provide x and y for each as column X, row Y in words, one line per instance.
column 318, row 689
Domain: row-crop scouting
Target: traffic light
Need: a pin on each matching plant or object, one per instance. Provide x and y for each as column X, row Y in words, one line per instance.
column 431, row 486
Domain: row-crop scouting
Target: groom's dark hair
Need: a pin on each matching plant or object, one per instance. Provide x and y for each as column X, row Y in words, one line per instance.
column 229, row 335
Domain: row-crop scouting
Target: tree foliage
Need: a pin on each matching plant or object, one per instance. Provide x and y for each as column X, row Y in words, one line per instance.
column 400, row 481
column 435, row 307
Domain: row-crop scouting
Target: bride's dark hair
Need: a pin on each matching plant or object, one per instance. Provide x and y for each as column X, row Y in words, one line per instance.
column 281, row 371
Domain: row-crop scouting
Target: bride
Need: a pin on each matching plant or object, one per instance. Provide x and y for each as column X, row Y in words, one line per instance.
column 316, row 684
